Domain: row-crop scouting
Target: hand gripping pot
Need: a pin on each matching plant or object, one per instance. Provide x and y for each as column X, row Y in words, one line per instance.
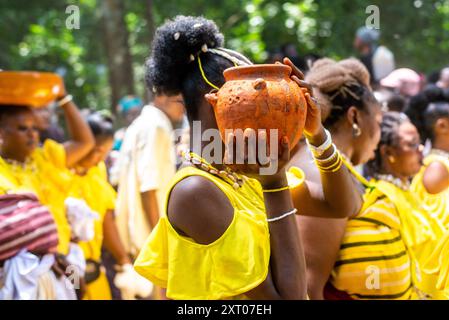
column 260, row 97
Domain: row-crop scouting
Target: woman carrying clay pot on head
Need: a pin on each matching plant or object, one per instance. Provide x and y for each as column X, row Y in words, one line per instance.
column 223, row 234
column 352, row 116
column 42, row 170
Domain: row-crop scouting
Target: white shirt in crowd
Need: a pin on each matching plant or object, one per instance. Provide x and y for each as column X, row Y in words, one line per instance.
column 147, row 162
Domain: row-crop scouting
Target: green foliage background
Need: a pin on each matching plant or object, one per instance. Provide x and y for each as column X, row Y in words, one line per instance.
column 33, row 34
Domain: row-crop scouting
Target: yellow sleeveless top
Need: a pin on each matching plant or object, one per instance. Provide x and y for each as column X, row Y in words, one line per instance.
column 44, row 174
column 230, row 266
column 99, row 195
column 436, row 204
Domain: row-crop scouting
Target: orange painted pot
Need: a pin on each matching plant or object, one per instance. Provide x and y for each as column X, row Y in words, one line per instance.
column 260, row 97
column 28, row 88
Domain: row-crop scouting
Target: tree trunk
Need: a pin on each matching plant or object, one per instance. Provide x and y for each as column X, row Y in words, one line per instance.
column 121, row 76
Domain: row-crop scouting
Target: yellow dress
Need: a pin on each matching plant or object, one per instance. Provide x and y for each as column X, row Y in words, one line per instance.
column 386, row 246
column 373, row 261
column 227, row 268
column 46, row 175
column 438, row 265
column 421, row 233
column 95, row 189
column 436, row 204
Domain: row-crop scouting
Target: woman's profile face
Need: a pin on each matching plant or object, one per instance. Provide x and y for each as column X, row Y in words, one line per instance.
column 366, row 144
column 406, row 157
column 19, row 134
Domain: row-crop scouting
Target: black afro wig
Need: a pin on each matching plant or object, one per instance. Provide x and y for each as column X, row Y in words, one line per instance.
column 174, row 45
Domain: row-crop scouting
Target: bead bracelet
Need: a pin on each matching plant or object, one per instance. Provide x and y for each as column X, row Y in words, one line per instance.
column 282, row 216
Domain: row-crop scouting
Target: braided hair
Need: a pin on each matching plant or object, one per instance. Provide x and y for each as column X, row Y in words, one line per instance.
column 340, row 85
column 173, row 66
column 391, row 122
column 426, row 108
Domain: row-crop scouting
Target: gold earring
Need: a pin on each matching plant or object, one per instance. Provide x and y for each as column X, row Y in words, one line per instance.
column 392, row 159
column 356, row 131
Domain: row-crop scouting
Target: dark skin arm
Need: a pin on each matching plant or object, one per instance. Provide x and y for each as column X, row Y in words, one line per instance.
column 286, row 279
column 150, row 207
column 321, row 238
column 327, row 195
column 436, row 178
column 198, row 209
column 112, row 241
column 81, row 138
column 334, row 194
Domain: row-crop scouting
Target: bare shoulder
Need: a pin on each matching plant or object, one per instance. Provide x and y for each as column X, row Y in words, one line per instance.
column 436, row 177
column 197, row 208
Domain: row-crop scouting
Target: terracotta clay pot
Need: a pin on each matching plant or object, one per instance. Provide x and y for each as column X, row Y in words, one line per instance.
column 260, row 97
column 27, row 88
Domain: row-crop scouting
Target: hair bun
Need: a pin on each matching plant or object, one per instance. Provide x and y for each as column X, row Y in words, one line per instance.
column 176, row 43
column 357, row 70
column 328, row 75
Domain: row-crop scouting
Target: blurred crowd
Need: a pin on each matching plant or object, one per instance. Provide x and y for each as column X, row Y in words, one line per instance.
column 82, row 190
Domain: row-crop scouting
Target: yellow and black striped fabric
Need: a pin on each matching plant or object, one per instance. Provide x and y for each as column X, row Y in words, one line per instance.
column 374, row 262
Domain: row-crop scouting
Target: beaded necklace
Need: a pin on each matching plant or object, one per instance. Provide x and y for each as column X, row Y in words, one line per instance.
column 227, row 174
column 395, row 181
column 17, row 165
column 440, row 152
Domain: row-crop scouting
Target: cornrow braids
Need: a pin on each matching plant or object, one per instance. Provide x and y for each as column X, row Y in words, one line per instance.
column 338, row 86
column 389, row 137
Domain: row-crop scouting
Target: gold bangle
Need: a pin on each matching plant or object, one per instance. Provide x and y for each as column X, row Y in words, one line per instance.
column 321, row 165
column 329, row 167
column 334, row 155
column 335, row 166
column 334, row 169
column 277, row 190
column 338, row 167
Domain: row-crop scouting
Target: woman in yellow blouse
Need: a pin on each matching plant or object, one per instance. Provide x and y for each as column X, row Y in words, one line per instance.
column 224, row 234
column 352, row 115
column 385, row 247
column 429, row 111
column 90, row 183
column 42, row 169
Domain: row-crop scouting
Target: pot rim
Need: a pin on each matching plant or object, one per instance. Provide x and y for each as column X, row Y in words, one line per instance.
column 264, row 70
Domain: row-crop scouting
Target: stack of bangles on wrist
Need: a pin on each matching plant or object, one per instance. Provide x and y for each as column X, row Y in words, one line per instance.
column 333, row 163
